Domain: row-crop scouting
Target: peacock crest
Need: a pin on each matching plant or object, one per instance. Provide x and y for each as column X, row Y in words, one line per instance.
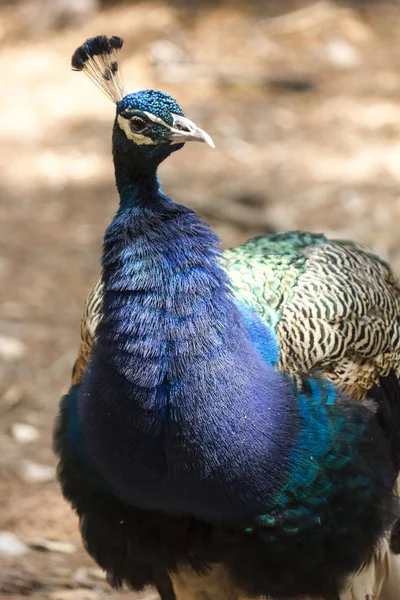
column 98, row 58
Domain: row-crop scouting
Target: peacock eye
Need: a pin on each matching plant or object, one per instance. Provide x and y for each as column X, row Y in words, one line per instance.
column 137, row 124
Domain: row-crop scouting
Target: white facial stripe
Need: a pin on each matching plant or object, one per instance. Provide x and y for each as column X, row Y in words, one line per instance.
column 156, row 119
column 137, row 138
column 178, row 120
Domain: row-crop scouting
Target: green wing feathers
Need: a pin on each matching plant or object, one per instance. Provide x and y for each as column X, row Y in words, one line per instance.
column 334, row 305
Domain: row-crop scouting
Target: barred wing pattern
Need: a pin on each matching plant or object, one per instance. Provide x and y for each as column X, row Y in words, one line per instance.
column 89, row 321
column 334, row 305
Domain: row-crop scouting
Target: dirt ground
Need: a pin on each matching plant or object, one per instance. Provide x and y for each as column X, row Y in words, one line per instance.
column 302, row 101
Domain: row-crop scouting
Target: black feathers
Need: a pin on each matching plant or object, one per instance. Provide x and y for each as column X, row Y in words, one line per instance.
column 98, row 58
column 95, row 46
column 387, row 396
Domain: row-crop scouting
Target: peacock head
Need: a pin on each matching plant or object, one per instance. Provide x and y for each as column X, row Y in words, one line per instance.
column 148, row 124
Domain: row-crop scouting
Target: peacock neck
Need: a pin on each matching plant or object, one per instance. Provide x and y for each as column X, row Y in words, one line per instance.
column 137, row 187
column 166, row 297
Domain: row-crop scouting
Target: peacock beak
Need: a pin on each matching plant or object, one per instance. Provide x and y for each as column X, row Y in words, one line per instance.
column 183, row 130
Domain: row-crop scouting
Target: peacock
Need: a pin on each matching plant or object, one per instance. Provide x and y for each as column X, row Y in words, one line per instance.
column 232, row 413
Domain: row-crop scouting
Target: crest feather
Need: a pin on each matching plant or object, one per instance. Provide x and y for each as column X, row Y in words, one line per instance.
column 98, row 58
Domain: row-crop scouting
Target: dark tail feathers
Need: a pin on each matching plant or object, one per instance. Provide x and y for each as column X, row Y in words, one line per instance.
column 387, row 397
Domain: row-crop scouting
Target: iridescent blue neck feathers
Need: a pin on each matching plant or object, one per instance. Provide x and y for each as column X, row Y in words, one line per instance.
column 176, row 394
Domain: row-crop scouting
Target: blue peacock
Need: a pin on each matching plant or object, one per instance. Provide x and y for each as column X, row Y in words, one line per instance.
column 217, row 417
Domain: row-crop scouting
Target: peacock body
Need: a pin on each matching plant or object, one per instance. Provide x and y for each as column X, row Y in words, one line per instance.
column 196, row 432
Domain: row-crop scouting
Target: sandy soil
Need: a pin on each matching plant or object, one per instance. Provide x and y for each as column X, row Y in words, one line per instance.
column 302, row 102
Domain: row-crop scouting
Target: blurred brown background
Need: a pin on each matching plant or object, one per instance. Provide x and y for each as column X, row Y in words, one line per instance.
column 302, row 101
